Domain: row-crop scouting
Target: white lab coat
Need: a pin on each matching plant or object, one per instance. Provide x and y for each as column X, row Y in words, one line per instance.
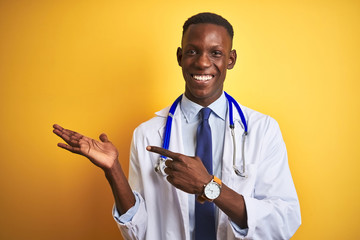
column 270, row 197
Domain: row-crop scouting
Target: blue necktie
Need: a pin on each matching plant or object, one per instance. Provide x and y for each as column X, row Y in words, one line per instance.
column 204, row 213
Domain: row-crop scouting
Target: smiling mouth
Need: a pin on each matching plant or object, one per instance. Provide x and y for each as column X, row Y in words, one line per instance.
column 202, row 77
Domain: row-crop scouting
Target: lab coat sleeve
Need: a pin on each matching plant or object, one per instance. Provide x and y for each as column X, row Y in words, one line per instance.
column 136, row 227
column 273, row 211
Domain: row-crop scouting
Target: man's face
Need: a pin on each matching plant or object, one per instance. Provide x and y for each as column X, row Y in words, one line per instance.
column 205, row 56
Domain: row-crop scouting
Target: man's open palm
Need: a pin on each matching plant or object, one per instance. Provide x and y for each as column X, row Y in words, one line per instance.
column 102, row 153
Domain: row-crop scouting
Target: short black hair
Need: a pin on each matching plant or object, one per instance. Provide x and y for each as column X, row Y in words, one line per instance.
column 207, row 17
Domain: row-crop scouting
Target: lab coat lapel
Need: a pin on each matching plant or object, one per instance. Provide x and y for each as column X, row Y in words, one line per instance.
column 162, row 113
column 227, row 163
column 176, row 145
column 227, row 154
column 227, row 172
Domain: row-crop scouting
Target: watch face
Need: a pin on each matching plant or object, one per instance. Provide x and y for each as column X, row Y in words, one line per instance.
column 212, row 190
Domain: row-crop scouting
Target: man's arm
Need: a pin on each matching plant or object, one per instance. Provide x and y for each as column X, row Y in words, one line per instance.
column 104, row 155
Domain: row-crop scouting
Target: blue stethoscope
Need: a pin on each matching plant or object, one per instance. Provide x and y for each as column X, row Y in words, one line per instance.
column 160, row 166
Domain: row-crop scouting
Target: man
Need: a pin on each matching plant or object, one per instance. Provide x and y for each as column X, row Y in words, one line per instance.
column 263, row 205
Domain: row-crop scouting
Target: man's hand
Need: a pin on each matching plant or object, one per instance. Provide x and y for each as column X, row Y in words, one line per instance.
column 190, row 175
column 102, row 153
column 186, row 173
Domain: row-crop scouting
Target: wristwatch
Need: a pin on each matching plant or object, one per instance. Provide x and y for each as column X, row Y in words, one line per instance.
column 211, row 190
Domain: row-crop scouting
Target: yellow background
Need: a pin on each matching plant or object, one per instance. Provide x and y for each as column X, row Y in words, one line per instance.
column 106, row 66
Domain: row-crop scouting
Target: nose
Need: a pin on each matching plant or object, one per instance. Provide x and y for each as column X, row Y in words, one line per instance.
column 203, row 61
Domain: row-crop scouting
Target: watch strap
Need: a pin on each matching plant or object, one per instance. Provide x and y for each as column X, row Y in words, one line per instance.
column 217, row 180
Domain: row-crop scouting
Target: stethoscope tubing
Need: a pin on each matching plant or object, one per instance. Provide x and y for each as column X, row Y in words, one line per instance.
column 167, row 134
column 238, row 108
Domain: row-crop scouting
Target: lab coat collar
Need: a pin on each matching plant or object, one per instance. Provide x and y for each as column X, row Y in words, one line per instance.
column 163, row 112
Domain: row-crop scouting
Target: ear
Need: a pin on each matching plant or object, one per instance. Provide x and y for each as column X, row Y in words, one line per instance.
column 232, row 59
column 179, row 55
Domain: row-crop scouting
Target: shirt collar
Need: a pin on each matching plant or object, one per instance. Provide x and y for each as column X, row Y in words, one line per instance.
column 191, row 109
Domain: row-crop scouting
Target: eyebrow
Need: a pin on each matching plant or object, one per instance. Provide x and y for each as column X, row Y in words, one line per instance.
column 213, row 46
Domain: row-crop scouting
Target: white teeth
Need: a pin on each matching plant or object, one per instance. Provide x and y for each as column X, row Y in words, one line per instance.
column 203, row 77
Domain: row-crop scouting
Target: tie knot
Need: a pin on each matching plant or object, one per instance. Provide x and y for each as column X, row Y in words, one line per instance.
column 205, row 112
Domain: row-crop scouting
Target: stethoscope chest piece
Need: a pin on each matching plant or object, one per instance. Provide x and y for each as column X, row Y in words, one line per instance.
column 160, row 166
column 242, row 174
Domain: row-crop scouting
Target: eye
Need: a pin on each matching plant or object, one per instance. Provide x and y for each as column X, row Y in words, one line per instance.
column 191, row 52
column 217, row 53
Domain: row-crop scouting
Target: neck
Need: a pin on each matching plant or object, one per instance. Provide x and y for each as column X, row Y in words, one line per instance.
column 206, row 100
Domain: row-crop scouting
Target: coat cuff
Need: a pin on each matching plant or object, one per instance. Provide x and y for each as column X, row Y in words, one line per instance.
column 128, row 216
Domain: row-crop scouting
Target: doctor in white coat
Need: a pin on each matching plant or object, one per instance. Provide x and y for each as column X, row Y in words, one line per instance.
column 264, row 205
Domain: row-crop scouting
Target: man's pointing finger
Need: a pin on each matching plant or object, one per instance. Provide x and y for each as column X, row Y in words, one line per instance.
column 162, row 151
